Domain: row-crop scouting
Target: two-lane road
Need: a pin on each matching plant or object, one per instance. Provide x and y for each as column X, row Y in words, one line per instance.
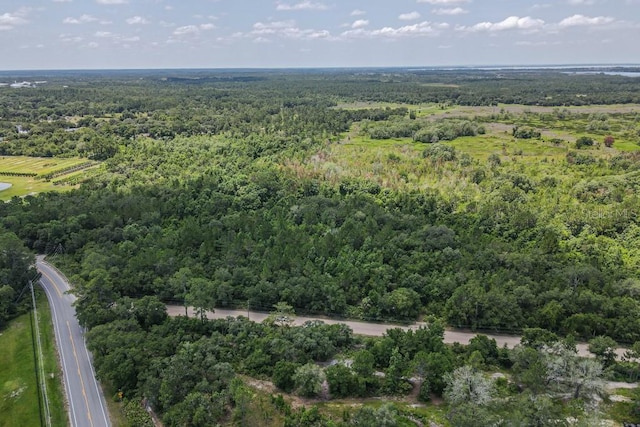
column 86, row 403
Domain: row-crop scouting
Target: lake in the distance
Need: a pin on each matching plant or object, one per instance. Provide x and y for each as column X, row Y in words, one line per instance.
column 609, row 73
column 4, row 185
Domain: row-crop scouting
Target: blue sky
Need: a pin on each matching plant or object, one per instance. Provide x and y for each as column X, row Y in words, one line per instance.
column 87, row 34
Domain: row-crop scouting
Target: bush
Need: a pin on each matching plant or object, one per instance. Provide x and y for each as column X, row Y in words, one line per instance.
column 447, row 130
column 525, row 133
column 308, row 380
column 580, row 159
column 424, row 395
column 136, row 414
column 494, row 160
column 584, row 141
column 608, row 141
column 439, row 153
column 283, row 373
column 342, row 381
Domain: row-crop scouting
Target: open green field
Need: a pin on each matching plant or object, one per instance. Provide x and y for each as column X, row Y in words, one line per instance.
column 39, row 168
column 399, row 163
column 18, row 387
column 420, row 110
column 37, row 165
column 451, row 109
column 22, row 186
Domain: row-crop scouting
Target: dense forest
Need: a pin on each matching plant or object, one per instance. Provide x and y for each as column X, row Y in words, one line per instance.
column 238, row 190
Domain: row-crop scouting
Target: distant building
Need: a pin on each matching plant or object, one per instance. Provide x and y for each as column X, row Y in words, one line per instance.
column 18, row 85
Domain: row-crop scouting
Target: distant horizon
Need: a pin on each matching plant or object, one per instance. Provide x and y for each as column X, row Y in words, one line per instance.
column 486, row 67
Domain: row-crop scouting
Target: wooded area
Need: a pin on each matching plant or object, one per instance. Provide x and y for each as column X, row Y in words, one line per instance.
column 361, row 195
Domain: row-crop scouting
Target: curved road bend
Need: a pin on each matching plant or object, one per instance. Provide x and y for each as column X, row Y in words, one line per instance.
column 86, row 403
column 373, row 329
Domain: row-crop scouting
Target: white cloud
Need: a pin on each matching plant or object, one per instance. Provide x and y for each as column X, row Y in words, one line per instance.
column 288, row 29
column 321, row 34
column 581, row 20
column 9, row 20
column 510, row 23
column 112, row 1
column 444, row 2
column 107, row 37
column 581, row 2
column 68, row 38
column 304, row 5
column 358, row 12
column 449, row 11
column 360, row 23
column 93, row 45
column 421, row 29
column 186, row 29
column 137, row 20
column 62, row 1
column 411, row 16
column 536, row 43
column 272, row 27
column 83, row 19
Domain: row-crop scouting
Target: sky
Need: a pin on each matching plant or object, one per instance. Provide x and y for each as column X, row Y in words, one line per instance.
column 121, row 34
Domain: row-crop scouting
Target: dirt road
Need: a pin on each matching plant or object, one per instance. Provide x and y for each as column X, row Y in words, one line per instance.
column 372, row 329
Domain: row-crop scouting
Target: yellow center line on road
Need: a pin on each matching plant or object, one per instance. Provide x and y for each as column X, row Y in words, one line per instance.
column 79, row 374
column 52, row 283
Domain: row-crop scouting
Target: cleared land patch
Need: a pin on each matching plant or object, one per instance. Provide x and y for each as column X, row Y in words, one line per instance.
column 494, row 161
column 30, row 175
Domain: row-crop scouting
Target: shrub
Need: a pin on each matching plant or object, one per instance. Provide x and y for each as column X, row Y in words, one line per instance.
column 525, row 133
column 584, row 141
column 308, row 380
column 608, row 141
column 440, row 153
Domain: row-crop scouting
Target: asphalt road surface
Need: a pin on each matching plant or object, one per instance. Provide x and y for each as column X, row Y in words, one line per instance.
column 372, row 329
column 86, row 403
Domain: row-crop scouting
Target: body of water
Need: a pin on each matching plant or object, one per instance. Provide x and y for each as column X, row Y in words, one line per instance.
column 4, row 186
column 610, row 73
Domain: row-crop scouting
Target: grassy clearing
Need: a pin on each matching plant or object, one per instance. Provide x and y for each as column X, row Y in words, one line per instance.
column 409, row 410
column 38, row 165
column 22, row 186
column 420, row 110
column 25, row 185
column 18, row 388
column 398, row 163
column 261, row 407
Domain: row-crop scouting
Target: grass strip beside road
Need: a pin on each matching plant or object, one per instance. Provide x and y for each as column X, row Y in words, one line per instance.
column 18, row 387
